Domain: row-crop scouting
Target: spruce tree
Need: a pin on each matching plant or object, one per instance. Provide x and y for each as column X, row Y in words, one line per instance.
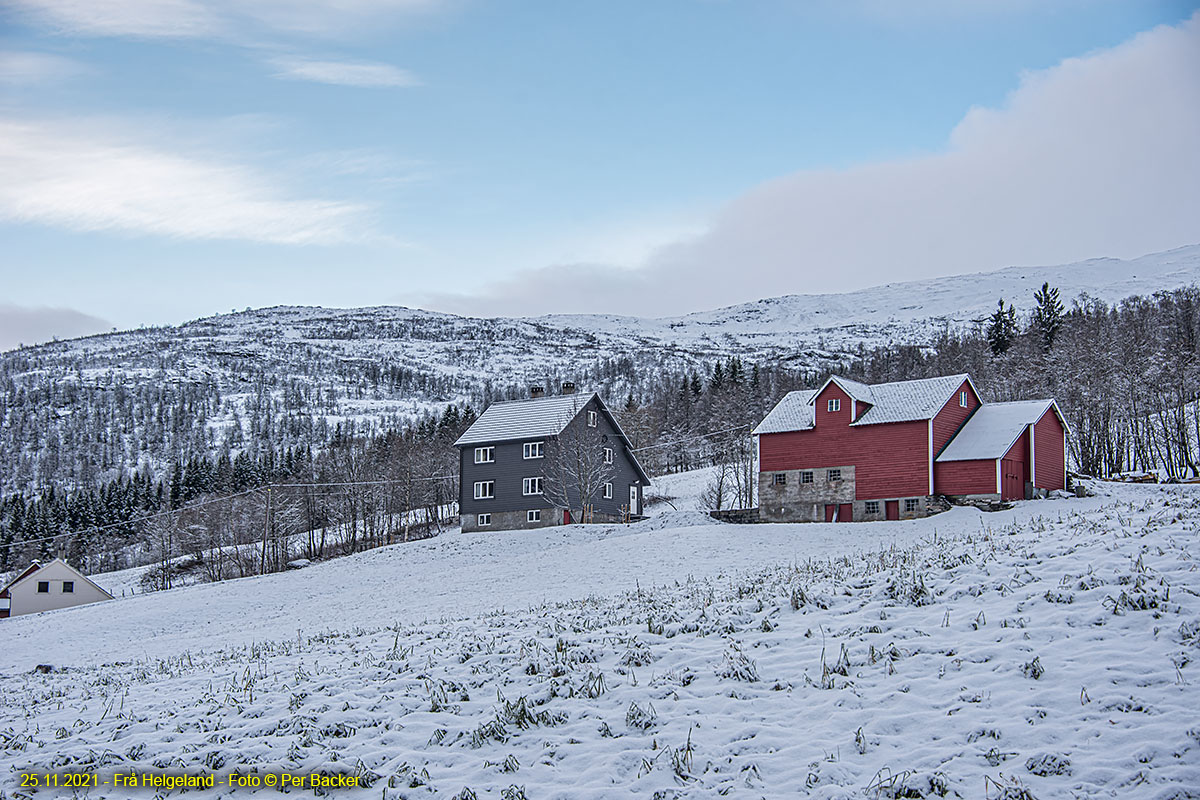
column 1047, row 316
column 1002, row 329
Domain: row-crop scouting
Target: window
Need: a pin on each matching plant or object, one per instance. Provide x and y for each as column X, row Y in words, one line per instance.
column 485, row 455
column 485, row 490
column 43, row 587
column 483, row 520
column 533, row 515
column 833, row 475
column 912, row 504
column 779, row 479
column 592, row 419
column 531, row 486
column 872, row 507
column 962, row 399
column 608, row 455
column 68, row 587
column 532, row 450
column 608, row 491
column 834, row 404
column 806, row 477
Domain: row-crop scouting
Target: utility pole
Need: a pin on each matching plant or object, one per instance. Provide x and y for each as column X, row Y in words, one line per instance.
column 262, row 570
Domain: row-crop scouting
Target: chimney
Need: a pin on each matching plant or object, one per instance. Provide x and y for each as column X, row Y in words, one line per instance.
column 536, row 391
column 568, row 387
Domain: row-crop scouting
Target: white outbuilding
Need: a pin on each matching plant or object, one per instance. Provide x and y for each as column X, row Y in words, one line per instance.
column 45, row 587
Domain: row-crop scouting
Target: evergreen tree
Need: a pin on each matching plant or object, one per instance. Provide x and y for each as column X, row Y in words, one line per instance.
column 1002, row 329
column 1047, row 316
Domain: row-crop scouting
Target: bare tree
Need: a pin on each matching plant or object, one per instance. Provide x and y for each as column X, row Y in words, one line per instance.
column 574, row 470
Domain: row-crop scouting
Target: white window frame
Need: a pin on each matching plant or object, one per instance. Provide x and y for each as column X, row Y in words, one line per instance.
column 531, row 487
column 591, row 419
column 485, row 486
column 483, row 520
column 608, row 455
column 608, row 490
column 911, row 504
column 533, row 515
column 832, row 475
column 807, row 476
column 962, row 399
column 531, row 450
column 872, row 507
column 834, row 404
column 485, row 455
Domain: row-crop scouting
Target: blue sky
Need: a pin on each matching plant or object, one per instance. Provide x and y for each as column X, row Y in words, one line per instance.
column 170, row 159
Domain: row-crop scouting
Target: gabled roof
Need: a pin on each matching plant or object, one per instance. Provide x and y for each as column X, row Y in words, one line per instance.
column 793, row 413
column 537, row 417
column 32, row 573
column 900, row 401
column 32, row 568
column 994, row 428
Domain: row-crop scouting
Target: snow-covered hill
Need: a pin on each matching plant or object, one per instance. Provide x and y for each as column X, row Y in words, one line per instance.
column 1046, row 651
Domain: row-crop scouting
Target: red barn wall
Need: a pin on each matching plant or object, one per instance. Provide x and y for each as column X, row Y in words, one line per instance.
column 890, row 460
column 1049, row 443
column 965, row 477
column 951, row 417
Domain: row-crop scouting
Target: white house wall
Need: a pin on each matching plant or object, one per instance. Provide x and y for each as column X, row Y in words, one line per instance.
column 25, row 599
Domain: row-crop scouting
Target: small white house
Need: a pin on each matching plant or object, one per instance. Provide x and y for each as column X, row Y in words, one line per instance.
column 47, row 587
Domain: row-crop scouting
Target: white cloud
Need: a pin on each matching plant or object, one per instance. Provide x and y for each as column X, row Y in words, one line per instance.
column 24, row 325
column 195, row 18
column 345, row 73
column 1096, row 156
column 85, row 177
column 24, row 68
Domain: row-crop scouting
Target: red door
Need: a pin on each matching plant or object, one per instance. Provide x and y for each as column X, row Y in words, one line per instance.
column 893, row 509
column 1012, row 481
column 830, row 513
column 566, row 516
column 845, row 512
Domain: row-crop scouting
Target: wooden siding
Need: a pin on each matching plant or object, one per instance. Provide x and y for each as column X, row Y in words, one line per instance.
column 951, row 417
column 1014, row 469
column 965, row 477
column 890, row 460
column 1049, row 448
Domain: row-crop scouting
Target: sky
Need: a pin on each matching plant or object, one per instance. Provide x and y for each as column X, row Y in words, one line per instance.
column 164, row 160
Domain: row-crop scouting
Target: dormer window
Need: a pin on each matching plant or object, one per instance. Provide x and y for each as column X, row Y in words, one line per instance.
column 834, row 404
column 962, row 399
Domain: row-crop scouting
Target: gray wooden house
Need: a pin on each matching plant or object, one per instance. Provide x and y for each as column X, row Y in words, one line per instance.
column 547, row 461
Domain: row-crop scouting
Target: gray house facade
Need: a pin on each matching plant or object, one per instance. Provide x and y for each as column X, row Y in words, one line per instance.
column 547, row 461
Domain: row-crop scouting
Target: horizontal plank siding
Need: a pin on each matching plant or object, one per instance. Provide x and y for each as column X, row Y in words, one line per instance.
column 1049, row 447
column 951, row 417
column 959, row 478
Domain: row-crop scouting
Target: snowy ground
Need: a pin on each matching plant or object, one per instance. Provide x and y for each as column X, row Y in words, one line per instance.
column 1047, row 651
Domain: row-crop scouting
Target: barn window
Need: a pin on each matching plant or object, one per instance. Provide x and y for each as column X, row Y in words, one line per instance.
column 872, row 506
column 531, row 486
column 43, row 587
column 835, row 404
column 779, row 479
column 608, row 455
column 833, row 475
column 485, row 490
column 591, row 419
column 608, row 491
column 806, row 477
column 912, row 504
column 485, row 455
column 533, row 515
column 532, row 450
column 483, row 520
column 962, row 399
column 68, row 587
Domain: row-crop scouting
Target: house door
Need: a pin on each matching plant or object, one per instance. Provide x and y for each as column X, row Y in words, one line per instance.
column 566, row 516
column 893, row 509
column 633, row 500
column 1012, row 481
column 831, row 513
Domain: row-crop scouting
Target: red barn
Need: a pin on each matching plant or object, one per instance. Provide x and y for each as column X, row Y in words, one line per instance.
column 852, row 451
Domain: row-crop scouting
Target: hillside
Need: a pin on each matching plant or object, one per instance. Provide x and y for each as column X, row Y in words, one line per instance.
column 286, row 376
column 1046, row 651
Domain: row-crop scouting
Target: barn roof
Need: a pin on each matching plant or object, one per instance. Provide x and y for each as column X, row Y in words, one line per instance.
column 793, row 413
column 900, row 401
column 993, row 429
column 524, row 419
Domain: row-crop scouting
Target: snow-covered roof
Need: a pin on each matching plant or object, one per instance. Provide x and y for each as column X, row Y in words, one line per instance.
column 524, row 419
column 793, row 413
column 905, row 401
column 993, row 429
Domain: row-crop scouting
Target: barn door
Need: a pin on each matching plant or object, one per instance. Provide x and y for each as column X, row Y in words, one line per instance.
column 893, row 509
column 845, row 512
column 831, row 513
column 1013, row 481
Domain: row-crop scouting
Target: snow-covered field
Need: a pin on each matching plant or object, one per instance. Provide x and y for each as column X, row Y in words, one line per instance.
column 1046, row 651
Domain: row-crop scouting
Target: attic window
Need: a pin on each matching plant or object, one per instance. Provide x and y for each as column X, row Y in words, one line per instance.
column 608, row 455
column 962, row 399
column 68, row 587
column 43, row 587
column 834, row 404
column 592, row 419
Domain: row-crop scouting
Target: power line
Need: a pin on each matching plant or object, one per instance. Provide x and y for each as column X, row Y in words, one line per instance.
column 689, row 439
